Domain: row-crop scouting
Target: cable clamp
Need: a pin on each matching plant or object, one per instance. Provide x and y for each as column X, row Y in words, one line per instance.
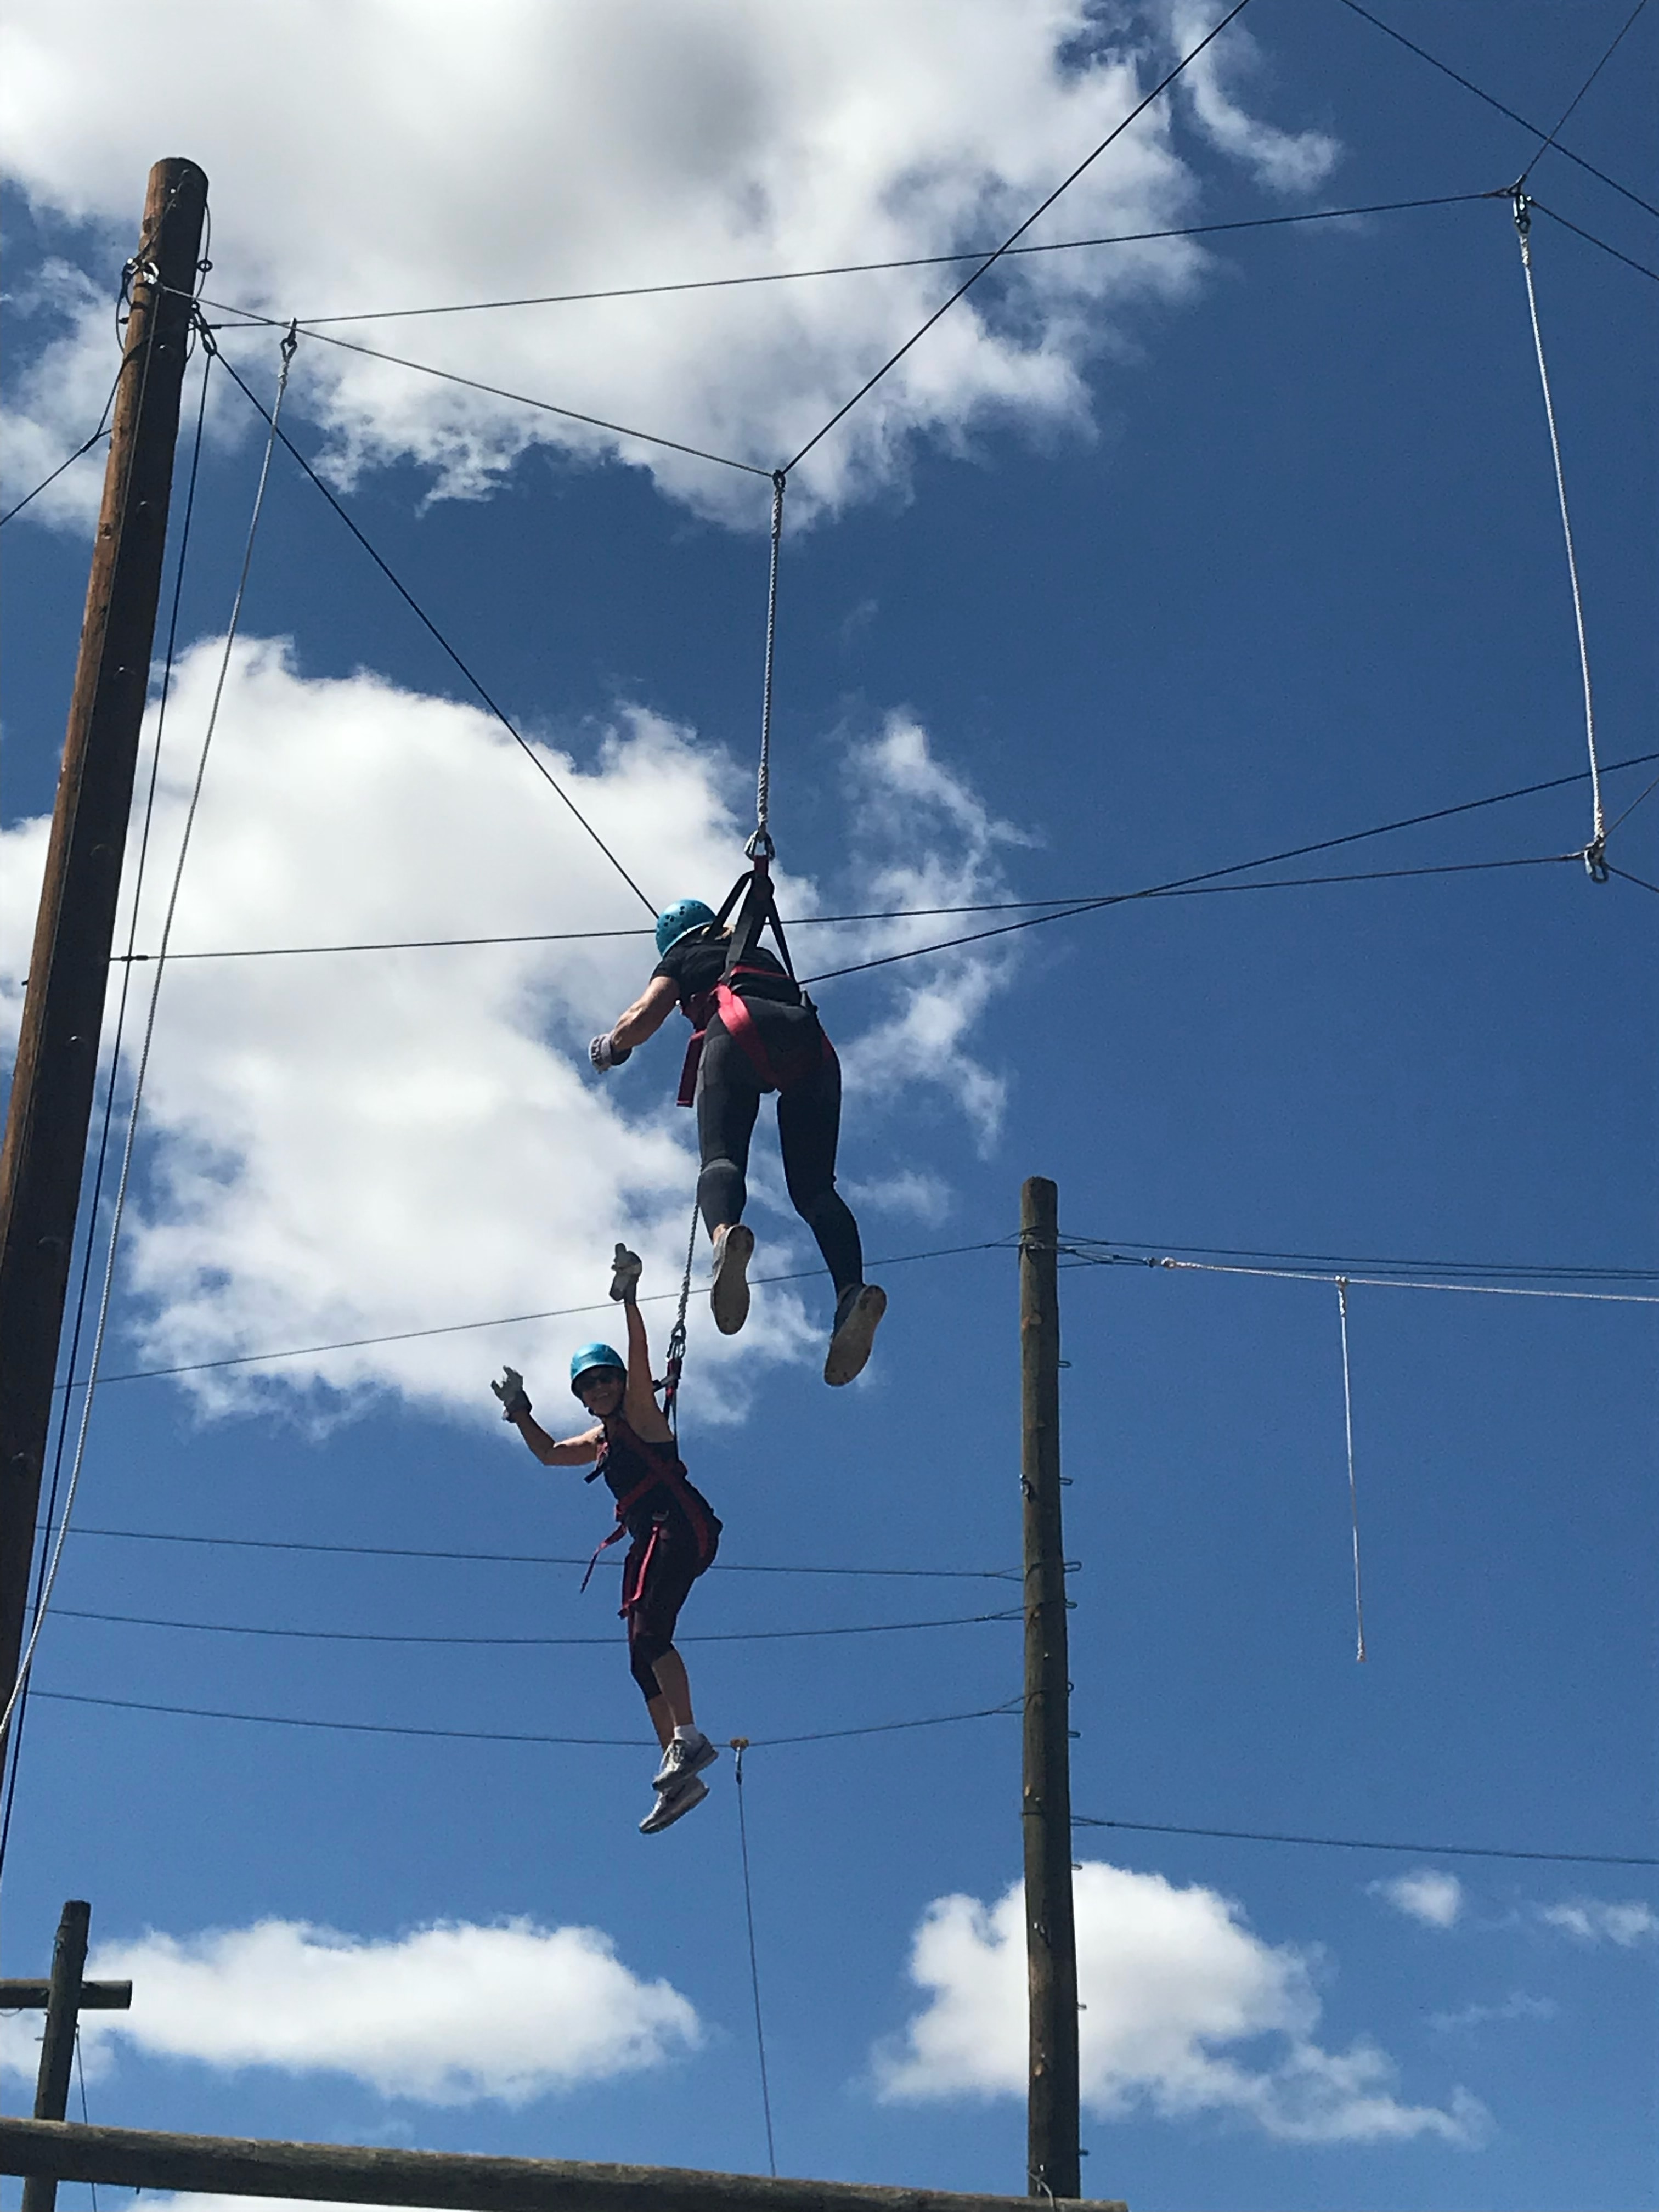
column 1595, row 856
column 290, row 344
column 1522, row 211
column 761, row 850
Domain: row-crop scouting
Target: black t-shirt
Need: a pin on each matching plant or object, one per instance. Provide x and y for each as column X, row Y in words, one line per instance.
column 697, row 964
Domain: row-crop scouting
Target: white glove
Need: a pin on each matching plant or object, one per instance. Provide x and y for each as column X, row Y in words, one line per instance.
column 625, row 1267
column 510, row 1391
column 606, row 1055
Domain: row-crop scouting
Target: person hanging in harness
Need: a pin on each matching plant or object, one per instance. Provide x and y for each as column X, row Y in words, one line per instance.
column 672, row 1531
column 754, row 1029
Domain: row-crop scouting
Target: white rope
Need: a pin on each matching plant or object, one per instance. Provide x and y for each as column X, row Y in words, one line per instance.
column 1353, row 1487
column 1401, row 1283
column 1595, row 859
column 760, row 845
column 47, row 1587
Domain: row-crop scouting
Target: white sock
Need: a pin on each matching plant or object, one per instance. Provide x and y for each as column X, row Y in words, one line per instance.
column 688, row 1732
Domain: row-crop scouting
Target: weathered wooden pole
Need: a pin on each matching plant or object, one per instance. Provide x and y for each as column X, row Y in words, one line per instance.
column 56, row 1063
column 68, row 1960
column 1053, row 2155
column 349, row 2173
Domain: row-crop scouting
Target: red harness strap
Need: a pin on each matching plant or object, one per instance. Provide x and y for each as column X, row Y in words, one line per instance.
column 671, row 1475
column 740, row 1024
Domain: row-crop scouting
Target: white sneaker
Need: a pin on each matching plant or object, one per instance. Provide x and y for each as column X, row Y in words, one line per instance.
column 667, row 1810
column 681, row 1760
column 857, row 1314
column 728, row 1294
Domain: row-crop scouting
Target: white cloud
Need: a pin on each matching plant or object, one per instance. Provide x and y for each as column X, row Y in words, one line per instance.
column 1600, row 1920
column 348, row 1146
column 450, row 2014
column 1286, row 161
column 1170, row 1977
column 1518, row 2005
column 512, row 150
column 1429, row 1896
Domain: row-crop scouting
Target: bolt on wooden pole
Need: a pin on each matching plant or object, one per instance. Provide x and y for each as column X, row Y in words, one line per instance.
column 69, row 1961
column 1053, row 2155
column 56, row 1062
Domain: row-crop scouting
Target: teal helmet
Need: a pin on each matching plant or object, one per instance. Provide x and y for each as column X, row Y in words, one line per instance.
column 675, row 921
column 593, row 1356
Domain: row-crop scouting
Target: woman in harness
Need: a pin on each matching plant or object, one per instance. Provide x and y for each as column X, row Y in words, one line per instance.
column 754, row 1030
column 672, row 1531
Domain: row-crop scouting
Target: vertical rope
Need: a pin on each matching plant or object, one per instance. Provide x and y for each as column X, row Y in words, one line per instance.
column 1595, row 852
column 86, row 2121
column 1353, row 1487
column 288, row 345
column 676, row 1334
column 740, row 1745
column 760, row 845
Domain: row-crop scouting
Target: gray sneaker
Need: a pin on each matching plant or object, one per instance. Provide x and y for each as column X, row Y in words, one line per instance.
column 680, row 1761
column 858, row 1311
column 667, row 1810
column 728, row 1294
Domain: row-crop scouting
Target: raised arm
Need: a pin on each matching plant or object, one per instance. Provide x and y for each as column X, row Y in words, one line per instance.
column 645, row 1415
column 575, row 1451
column 645, row 1016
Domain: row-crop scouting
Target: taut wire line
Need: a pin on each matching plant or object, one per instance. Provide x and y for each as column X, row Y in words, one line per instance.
column 740, row 1745
column 1353, row 1487
column 1367, row 1282
column 288, row 344
column 443, row 644
column 1014, row 235
column 1578, row 231
column 1596, row 851
column 1567, row 111
column 1372, row 1843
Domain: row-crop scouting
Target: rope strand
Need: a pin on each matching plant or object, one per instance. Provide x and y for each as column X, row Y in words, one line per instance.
column 1595, row 852
column 1353, row 1490
column 740, row 1745
column 760, row 845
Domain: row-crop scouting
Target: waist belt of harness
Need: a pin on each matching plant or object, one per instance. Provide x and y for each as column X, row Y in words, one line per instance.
column 740, row 1024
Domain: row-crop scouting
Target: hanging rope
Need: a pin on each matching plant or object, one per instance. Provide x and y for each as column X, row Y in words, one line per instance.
column 1596, row 851
column 289, row 343
column 760, row 845
column 1353, row 1489
column 671, row 1389
column 740, row 1745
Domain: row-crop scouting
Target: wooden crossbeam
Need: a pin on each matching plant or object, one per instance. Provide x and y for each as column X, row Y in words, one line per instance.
column 351, row 2173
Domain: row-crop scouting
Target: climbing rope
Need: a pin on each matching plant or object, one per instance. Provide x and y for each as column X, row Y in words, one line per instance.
column 740, row 1745
column 1594, row 854
column 760, row 845
column 288, row 345
column 1353, row 1491
column 671, row 1389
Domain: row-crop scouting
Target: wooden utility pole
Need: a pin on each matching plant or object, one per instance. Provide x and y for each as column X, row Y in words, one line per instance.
column 1053, row 2155
column 352, row 2173
column 57, row 1060
column 65, row 1997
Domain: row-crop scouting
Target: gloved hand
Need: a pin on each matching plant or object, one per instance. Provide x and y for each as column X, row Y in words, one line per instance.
column 606, row 1055
column 510, row 1391
column 625, row 1266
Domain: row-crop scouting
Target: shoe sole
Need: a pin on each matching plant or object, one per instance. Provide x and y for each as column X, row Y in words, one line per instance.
column 728, row 1294
column 849, row 1348
column 667, row 1810
column 705, row 1758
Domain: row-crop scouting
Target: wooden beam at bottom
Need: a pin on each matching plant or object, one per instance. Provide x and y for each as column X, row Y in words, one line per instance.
column 134, row 2158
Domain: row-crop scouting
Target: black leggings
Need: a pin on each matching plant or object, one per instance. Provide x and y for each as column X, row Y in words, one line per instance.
column 809, row 1124
column 660, row 1568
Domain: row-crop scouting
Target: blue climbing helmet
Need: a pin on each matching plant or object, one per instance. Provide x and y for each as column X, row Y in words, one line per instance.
column 592, row 1356
column 676, row 922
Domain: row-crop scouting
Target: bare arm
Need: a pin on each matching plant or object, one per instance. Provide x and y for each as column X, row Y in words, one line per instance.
column 577, row 1451
column 646, row 1015
column 645, row 1415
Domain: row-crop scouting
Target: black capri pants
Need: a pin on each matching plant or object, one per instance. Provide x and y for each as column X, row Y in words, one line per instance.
column 729, row 1089
column 660, row 1568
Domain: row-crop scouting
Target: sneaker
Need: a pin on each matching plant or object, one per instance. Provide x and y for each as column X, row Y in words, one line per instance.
column 681, row 1760
column 625, row 1269
column 667, row 1810
column 728, row 1294
column 857, row 1312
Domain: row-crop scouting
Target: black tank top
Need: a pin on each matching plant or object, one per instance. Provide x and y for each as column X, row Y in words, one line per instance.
column 649, row 1481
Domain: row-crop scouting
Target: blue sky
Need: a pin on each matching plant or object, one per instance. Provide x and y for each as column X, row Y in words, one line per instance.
column 1135, row 571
